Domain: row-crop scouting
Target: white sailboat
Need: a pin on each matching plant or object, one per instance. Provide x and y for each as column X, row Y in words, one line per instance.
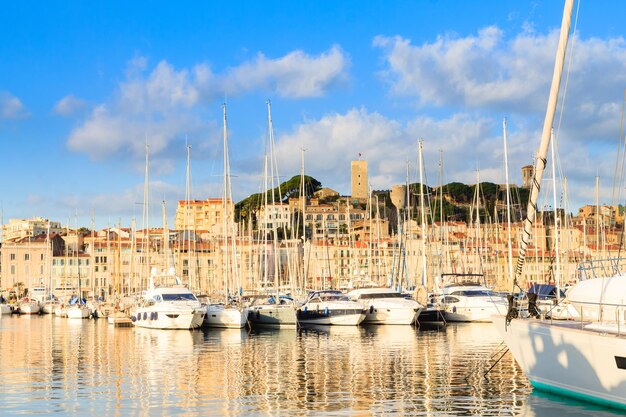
column 230, row 313
column 274, row 310
column 585, row 358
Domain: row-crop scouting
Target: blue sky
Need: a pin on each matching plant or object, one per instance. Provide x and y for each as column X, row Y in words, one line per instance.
column 83, row 85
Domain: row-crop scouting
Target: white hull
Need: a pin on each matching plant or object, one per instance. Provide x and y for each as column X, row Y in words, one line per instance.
column 29, row 308
column 5, row 309
column 398, row 316
column 480, row 312
column 48, row 308
column 337, row 320
column 565, row 359
column 218, row 315
column 77, row 312
column 386, row 306
column 168, row 319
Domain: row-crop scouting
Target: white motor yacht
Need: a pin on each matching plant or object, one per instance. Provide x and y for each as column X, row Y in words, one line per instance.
column 330, row 307
column 168, row 307
column 471, row 302
column 386, row 306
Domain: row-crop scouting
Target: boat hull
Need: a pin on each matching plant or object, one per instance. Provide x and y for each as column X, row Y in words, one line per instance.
column 272, row 316
column 168, row 320
column 330, row 316
column 5, row 309
column 382, row 314
column 478, row 313
column 29, row 308
column 77, row 313
column 565, row 359
column 225, row 317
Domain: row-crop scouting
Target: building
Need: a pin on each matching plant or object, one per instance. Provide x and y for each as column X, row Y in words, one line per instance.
column 359, row 180
column 203, row 215
column 527, row 176
column 20, row 228
column 26, row 262
column 273, row 215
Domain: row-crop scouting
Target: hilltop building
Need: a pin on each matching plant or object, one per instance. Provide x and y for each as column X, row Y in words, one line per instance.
column 203, row 215
column 359, row 180
column 19, row 228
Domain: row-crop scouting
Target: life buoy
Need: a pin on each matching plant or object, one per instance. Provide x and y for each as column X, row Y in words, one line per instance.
column 156, row 315
column 152, row 315
column 145, row 315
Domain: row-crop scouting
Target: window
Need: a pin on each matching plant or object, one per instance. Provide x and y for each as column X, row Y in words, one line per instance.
column 27, row 256
column 12, row 256
column 12, row 269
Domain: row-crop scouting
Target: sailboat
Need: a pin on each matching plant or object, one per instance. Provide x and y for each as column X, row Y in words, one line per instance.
column 229, row 313
column 276, row 310
column 585, row 358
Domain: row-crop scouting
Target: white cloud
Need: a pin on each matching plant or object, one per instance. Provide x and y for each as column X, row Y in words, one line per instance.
column 295, row 75
column 11, row 107
column 164, row 103
column 336, row 139
column 488, row 71
column 68, row 105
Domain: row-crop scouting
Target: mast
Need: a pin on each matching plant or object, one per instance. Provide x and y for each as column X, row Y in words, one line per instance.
column 557, row 278
column 508, row 200
column 145, row 247
column 420, row 146
column 303, row 198
column 545, row 137
column 224, row 206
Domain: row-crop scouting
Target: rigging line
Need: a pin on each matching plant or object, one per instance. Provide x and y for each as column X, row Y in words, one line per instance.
column 621, row 174
column 619, row 143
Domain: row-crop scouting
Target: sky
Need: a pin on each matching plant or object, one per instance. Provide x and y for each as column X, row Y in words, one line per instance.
column 85, row 85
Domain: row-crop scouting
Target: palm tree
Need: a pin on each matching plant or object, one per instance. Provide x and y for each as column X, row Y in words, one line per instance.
column 20, row 288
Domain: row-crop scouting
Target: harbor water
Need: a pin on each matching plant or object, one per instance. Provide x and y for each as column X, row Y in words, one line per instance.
column 56, row 366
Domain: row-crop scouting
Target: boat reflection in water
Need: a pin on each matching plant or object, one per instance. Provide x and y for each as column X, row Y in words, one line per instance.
column 85, row 367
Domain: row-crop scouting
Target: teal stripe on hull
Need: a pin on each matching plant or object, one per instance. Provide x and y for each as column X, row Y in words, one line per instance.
column 577, row 395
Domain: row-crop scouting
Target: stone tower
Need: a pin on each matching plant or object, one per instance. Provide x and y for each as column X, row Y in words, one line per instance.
column 527, row 176
column 359, row 182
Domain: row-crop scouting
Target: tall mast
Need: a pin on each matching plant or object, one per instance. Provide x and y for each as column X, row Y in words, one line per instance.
column 508, row 200
column 557, row 278
column 545, row 137
column 224, row 205
column 420, row 146
column 303, row 200
column 145, row 247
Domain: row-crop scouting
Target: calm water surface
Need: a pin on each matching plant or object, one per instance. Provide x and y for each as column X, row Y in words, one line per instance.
column 51, row 365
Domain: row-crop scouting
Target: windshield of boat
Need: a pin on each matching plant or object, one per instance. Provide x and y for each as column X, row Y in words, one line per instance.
column 329, row 296
column 179, row 297
column 381, row 295
column 475, row 293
